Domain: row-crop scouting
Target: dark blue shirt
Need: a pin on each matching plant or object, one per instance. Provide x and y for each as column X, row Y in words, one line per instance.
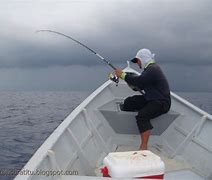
column 153, row 82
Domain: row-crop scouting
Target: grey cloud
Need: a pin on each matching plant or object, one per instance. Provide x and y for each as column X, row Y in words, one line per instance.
column 178, row 32
column 59, row 78
column 189, row 78
column 77, row 77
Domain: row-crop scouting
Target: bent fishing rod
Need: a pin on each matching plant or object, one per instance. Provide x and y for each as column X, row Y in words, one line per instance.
column 78, row 42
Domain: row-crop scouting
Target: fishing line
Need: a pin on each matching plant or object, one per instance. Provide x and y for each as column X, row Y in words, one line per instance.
column 78, row 42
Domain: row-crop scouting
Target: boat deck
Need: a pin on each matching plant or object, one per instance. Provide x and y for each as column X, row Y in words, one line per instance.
column 176, row 168
column 181, row 137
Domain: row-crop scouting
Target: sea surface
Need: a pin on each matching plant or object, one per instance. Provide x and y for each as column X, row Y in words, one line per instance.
column 28, row 118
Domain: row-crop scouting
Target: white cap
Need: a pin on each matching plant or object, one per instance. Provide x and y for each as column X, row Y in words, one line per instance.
column 145, row 56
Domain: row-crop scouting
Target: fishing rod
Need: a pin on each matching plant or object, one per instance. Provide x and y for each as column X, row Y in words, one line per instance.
column 111, row 75
column 78, row 42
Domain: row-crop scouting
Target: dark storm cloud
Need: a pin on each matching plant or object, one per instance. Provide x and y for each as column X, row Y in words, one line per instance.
column 178, row 32
column 53, row 78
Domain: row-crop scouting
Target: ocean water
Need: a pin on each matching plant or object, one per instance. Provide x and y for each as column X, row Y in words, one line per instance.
column 28, row 118
column 203, row 100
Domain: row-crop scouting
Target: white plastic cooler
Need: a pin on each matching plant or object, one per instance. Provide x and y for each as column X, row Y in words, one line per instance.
column 143, row 164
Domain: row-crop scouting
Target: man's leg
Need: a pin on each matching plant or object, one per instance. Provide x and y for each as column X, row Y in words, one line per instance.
column 150, row 111
column 134, row 103
column 144, row 139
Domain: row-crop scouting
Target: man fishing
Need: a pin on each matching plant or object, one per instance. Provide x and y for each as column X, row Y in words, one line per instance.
column 156, row 99
column 154, row 102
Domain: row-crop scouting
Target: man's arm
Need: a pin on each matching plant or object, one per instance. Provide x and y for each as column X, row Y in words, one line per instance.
column 147, row 77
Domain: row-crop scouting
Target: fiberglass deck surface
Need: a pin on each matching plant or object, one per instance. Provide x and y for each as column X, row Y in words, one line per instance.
column 176, row 168
column 171, row 164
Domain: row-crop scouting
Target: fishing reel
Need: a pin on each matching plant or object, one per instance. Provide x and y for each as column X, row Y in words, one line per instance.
column 113, row 78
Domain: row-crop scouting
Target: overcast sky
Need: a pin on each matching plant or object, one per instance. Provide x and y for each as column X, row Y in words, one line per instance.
column 179, row 32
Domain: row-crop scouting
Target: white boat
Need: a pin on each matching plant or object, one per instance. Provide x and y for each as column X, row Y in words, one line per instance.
column 182, row 138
